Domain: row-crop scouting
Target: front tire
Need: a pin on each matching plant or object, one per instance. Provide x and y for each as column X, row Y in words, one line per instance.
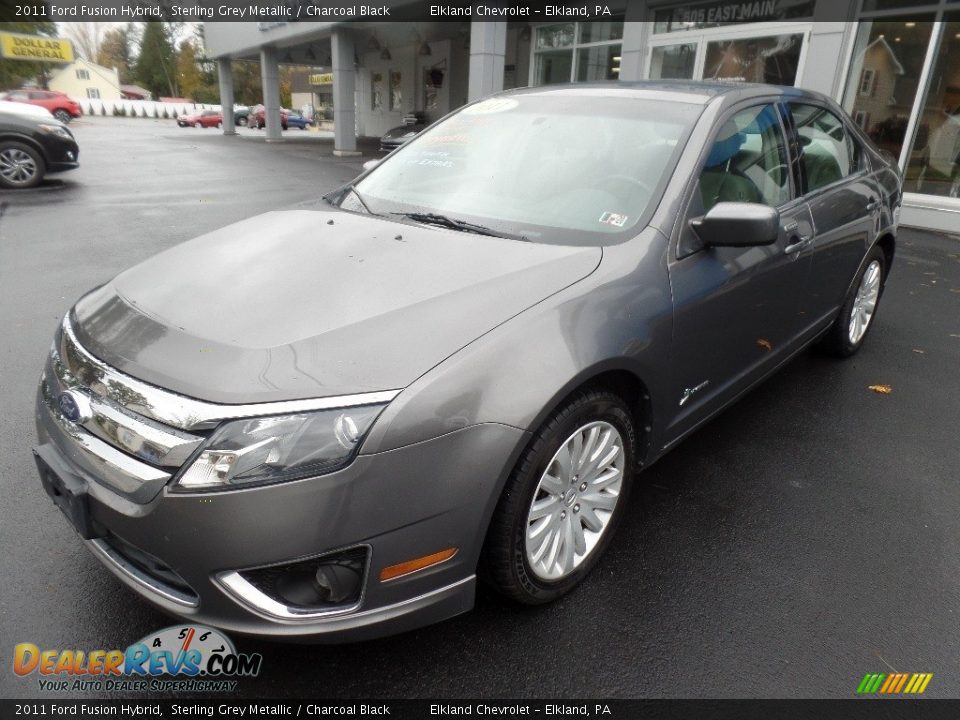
column 20, row 166
column 63, row 116
column 849, row 330
column 563, row 500
column 198, row 124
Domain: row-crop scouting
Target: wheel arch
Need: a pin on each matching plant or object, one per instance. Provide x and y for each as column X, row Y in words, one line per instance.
column 616, row 377
column 888, row 244
column 25, row 140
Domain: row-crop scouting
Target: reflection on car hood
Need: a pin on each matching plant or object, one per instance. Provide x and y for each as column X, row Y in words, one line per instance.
column 309, row 303
column 399, row 132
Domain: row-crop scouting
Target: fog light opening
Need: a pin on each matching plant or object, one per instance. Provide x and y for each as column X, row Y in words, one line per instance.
column 324, row 583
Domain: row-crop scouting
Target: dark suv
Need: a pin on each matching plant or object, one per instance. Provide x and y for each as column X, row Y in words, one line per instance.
column 31, row 147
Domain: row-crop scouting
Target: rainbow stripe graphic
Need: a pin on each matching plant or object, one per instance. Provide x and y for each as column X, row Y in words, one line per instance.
column 894, row 683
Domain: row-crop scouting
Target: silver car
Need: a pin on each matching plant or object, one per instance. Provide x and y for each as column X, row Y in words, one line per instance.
column 328, row 422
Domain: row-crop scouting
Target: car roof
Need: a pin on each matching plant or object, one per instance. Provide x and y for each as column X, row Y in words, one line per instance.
column 700, row 92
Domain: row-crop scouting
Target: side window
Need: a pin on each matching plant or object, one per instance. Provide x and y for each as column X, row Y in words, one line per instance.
column 827, row 151
column 748, row 161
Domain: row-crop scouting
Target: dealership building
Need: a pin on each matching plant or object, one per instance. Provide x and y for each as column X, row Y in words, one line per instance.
column 894, row 65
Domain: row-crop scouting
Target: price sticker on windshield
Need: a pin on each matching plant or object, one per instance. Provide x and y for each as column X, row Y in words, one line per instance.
column 615, row 219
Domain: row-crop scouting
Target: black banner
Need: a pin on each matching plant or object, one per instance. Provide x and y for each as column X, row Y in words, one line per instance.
column 272, row 13
column 854, row 709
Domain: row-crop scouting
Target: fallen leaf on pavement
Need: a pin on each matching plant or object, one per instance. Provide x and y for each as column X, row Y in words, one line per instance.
column 882, row 389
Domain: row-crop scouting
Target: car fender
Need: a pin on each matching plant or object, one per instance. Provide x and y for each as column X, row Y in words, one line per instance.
column 619, row 318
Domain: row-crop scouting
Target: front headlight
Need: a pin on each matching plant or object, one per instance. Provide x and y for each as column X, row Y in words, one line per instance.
column 57, row 130
column 272, row 449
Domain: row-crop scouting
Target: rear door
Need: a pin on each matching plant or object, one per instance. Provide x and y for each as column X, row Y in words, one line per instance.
column 835, row 179
column 737, row 310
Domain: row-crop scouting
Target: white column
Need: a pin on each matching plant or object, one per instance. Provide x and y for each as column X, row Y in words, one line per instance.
column 344, row 97
column 225, row 74
column 488, row 46
column 634, row 49
column 270, row 76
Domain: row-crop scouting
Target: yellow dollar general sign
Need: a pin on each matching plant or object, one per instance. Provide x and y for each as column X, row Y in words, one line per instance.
column 14, row 46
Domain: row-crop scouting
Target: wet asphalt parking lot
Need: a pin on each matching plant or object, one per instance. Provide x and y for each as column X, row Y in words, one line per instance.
column 807, row 536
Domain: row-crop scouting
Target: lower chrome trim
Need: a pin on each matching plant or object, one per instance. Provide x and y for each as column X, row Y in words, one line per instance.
column 115, row 561
column 240, row 589
column 227, row 581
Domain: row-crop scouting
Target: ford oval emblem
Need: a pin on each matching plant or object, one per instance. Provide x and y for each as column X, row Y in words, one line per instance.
column 74, row 406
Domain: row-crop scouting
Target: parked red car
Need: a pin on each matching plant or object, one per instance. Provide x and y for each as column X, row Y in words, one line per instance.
column 205, row 119
column 258, row 117
column 59, row 104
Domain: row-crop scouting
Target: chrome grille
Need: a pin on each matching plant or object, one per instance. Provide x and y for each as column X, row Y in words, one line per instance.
column 137, row 435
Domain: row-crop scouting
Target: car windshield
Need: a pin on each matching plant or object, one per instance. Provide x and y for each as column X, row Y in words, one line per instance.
column 569, row 168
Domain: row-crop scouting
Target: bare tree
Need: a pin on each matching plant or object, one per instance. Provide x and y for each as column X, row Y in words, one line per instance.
column 86, row 37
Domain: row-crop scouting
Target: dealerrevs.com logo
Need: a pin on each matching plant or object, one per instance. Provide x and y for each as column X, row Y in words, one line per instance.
column 197, row 658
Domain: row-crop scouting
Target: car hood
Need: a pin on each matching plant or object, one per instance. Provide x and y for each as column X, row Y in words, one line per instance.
column 314, row 303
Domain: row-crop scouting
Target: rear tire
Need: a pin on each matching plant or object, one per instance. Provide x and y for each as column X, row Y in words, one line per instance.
column 856, row 317
column 559, row 510
column 198, row 124
column 20, row 166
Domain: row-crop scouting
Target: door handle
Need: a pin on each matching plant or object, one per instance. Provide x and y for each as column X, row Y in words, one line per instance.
column 873, row 204
column 797, row 243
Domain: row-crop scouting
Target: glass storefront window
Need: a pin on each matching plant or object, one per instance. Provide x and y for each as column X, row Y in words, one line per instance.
column 592, row 32
column 562, row 53
column 763, row 60
column 934, row 162
column 884, row 77
column 601, row 62
column 554, row 67
column 555, row 36
column 673, row 62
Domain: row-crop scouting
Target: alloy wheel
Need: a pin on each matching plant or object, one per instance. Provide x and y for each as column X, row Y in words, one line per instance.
column 865, row 302
column 17, row 167
column 574, row 501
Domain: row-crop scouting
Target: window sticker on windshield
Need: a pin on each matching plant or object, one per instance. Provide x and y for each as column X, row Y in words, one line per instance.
column 615, row 219
column 493, row 105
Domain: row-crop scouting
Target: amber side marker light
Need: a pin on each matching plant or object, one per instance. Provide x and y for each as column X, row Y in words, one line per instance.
column 411, row 566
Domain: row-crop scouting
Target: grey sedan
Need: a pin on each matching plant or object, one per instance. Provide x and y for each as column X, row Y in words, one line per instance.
column 328, row 422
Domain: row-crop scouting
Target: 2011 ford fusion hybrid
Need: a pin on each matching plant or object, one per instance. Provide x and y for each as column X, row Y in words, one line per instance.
column 327, row 422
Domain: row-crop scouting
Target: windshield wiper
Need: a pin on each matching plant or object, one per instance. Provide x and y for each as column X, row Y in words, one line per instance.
column 428, row 218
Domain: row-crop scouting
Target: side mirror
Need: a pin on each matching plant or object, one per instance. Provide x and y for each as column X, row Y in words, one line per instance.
column 737, row 224
column 370, row 165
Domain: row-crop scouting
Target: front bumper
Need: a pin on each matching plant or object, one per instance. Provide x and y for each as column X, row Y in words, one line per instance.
column 401, row 504
column 61, row 153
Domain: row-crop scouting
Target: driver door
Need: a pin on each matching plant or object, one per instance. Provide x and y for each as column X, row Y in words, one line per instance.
column 737, row 310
